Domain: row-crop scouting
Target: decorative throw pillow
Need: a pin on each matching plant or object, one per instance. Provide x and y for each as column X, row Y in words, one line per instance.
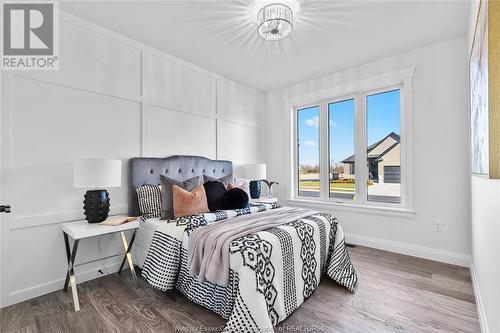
column 215, row 191
column 149, row 197
column 235, row 198
column 167, row 206
column 226, row 180
column 241, row 183
column 189, row 203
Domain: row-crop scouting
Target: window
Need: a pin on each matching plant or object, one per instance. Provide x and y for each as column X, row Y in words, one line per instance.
column 351, row 149
column 341, row 149
column 308, row 151
column 384, row 146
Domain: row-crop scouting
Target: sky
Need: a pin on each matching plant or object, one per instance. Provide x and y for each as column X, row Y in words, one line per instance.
column 383, row 117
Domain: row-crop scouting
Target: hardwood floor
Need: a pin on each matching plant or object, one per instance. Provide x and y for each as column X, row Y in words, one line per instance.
column 395, row 293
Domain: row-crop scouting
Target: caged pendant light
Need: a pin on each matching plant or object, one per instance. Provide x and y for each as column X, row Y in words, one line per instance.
column 275, row 21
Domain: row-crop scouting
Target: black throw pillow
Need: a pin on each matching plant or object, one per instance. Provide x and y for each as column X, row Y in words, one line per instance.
column 235, row 198
column 215, row 191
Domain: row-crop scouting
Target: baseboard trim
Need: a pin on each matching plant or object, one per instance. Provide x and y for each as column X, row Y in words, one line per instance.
column 382, row 244
column 479, row 301
column 444, row 256
column 55, row 285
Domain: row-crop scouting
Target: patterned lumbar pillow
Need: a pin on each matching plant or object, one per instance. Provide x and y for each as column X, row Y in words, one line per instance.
column 189, row 203
column 167, row 206
column 149, row 197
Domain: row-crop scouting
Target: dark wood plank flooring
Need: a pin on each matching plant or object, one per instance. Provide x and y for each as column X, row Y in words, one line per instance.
column 395, row 293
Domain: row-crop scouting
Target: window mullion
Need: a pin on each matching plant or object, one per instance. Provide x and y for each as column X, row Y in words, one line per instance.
column 324, row 147
column 295, row 168
column 360, row 150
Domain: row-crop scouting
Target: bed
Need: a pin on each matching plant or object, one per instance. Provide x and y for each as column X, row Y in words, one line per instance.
column 274, row 256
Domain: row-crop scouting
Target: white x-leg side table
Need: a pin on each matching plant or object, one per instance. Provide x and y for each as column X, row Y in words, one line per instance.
column 82, row 229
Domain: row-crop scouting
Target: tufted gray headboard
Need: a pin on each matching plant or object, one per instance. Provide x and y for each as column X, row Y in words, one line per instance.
column 147, row 170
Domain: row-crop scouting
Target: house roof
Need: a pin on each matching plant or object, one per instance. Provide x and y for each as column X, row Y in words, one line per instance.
column 391, row 135
column 379, row 158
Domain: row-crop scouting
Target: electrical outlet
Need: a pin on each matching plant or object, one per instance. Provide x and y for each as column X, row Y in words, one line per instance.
column 438, row 226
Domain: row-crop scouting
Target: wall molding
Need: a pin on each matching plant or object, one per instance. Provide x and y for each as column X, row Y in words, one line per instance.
column 241, row 123
column 161, row 105
column 140, row 57
column 134, row 99
column 106, row 33
column 448, row 257
column 479, row 301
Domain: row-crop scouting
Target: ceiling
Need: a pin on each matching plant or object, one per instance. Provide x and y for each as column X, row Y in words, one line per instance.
column 328, row 35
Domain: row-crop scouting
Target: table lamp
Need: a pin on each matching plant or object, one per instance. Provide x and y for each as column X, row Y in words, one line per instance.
column 256, row 173
column 96, row 174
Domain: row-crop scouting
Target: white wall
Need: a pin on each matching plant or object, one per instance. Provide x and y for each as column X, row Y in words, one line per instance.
column 486, row 250
column 112, row 97
column 440, row 127
column 485, row 235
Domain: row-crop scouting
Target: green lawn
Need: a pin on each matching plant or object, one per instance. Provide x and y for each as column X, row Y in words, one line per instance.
column 334, row 187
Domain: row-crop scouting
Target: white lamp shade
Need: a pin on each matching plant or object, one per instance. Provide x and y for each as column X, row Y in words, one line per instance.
column 255, row 171
column 97, row 173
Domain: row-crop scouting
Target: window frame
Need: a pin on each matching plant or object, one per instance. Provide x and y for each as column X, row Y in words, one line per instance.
column 403, row 165
column 354, row 97
column 295, row 132
column 359, row 91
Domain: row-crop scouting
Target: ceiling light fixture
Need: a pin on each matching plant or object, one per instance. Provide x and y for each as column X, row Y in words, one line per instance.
column 275, row 21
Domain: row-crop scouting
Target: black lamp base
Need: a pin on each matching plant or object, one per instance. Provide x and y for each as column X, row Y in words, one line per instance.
column 96, row 206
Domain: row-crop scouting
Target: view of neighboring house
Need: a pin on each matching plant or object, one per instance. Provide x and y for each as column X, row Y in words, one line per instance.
column 384, row 160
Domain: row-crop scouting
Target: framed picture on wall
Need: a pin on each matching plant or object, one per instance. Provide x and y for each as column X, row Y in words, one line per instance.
column 478, row 86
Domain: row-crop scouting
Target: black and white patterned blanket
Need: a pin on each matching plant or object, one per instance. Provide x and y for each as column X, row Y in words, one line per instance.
column 272, row 272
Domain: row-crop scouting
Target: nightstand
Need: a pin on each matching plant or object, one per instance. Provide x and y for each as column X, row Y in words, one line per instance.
column 81, row 230
column 264, row 200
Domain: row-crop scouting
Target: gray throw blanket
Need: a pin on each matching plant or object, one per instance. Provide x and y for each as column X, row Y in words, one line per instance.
column 208, row 252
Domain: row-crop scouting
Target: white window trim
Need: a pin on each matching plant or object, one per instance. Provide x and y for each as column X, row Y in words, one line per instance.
column 403, row 80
